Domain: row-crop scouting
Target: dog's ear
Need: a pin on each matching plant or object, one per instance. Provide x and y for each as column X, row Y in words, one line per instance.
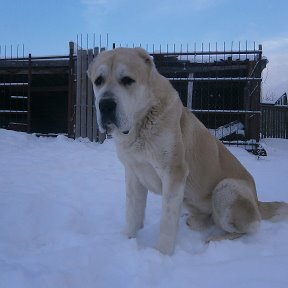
column 145, row 56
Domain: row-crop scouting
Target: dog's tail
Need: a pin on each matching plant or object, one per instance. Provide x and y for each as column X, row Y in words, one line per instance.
column 273, row 210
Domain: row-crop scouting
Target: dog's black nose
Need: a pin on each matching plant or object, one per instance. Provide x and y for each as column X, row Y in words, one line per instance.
column 107, row 108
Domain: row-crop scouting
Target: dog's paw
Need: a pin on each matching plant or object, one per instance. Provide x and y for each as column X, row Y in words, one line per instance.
column 132, row 232
column 166, row 245
column 225, row 236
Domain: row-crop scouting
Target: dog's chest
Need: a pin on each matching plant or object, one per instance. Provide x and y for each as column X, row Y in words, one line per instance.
column 144, row 168
column 148, row 176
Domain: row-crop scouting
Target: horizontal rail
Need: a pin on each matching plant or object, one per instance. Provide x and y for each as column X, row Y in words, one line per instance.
column 13, row 84
column 189, row 79
column 17, row 123
column 19, row 97
column 220, row 52
column 36, row 58
column 13, row 112
column 226, row 111
column 175, row 53
column 273, row 106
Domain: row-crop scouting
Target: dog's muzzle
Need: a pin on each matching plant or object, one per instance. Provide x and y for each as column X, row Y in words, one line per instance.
column 107, row 109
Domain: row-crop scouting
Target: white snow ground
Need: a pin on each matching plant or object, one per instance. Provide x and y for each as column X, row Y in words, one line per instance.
column 62, row 223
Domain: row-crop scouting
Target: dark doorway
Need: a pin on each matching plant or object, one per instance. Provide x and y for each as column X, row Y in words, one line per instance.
column 49, row 103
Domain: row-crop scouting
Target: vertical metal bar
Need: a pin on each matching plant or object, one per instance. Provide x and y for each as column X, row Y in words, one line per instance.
column 11, row 116
column 24, row 90
column 258, row 119
column 29, row 129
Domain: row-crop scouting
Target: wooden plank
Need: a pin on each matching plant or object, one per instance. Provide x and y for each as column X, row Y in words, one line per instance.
column 265, row 124
column 275, row 120
column 89, row 100
column 71, row 92
column 190, row 92
column 282, row 128
column 83, row 94
column 78, row 96
column 95, row 124
column 271, row 123
column 286, row 123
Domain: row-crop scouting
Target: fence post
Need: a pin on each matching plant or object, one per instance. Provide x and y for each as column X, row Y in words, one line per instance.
column 29, row 93
column 286, row 123
column 83, row 93
column 78, row 94
column 71, row 100
column 90, row 102
column 190, row 92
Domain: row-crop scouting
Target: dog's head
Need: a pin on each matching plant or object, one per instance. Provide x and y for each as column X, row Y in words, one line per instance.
column 120, row 80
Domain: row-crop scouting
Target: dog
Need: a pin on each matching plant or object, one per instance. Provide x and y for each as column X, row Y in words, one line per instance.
column 167, row 150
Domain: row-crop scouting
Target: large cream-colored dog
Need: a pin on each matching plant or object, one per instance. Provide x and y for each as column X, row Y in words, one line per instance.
column 165, row 149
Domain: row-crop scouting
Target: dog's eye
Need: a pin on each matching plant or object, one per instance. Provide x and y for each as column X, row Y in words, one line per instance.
column 127, row 81
column 99, row 81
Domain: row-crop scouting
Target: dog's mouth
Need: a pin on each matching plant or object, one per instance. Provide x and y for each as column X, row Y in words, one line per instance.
column 109, row 121
column 108, row 127
column 107, row 109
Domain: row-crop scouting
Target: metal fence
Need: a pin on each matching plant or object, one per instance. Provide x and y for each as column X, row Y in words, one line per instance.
column 220, row 84
column 36, row 93
column 14, row 88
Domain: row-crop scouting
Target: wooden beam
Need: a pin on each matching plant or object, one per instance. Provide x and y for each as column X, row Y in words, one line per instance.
column 90, row 101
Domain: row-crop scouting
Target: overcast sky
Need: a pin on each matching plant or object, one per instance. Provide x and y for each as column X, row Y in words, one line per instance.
column 46, row 27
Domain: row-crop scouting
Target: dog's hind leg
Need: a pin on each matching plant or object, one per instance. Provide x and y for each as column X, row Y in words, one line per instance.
column 198, row 220
column 234, row 208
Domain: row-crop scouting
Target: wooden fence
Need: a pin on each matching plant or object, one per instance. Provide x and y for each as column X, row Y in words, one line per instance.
column 85, row 121
column 274, row 121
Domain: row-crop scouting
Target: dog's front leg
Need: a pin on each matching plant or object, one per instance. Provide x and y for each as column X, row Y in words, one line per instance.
column 173, row 194
column 136, row 197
